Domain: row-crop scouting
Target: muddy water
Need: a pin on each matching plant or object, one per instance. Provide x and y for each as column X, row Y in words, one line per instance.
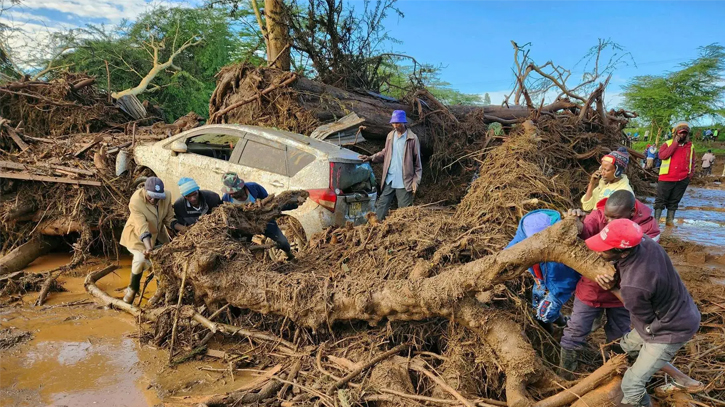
column 701, row 217
column 82, row 354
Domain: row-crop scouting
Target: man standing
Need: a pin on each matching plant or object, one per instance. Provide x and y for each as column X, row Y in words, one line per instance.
column 555, row 282
column 708, row 159
column 591, row 301
column 237, row 191
column 194, row 202
column 150, row 211
column 402, row 167
column 676, row 170
column 663, row 313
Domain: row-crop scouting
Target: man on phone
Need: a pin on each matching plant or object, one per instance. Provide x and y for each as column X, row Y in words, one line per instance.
column 676, row 171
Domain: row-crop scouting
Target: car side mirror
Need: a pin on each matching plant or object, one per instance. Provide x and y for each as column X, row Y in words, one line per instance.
column 179, row 147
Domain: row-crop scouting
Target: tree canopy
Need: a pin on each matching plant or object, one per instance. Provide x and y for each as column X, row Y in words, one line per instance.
column 693, row 92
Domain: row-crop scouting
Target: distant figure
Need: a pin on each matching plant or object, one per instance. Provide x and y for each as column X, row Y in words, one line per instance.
column 676, row 171
column 708, row 159
column 651, row 156
column 715, row 134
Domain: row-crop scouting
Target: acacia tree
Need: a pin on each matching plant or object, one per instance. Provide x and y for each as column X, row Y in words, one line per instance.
column 693, row 92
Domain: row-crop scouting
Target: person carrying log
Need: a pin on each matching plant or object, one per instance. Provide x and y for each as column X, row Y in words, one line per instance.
column 237, row 191
column 676, row 171
column 663, row 313
column 150, row 211
column 194, row 202
column 590, row 300
column 402, row 166
column 608, row 178
column 555, row 282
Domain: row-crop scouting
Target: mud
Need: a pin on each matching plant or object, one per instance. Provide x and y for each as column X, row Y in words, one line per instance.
column 81, row 354
column 701, row 218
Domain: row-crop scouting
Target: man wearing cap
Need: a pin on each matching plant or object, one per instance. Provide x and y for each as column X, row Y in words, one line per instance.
column 151, row 210
column 402, row 166
column 676, row 170
column 194, row 202
column 591, row 301
column 237, row 191
column 663, row 313
column 554, row 282
column 608, row 178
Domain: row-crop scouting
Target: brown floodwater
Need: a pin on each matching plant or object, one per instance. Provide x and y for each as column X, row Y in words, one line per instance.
column 82, row 354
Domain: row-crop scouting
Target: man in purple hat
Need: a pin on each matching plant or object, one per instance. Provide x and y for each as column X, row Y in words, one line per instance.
column 151, row 211
column 402, row 167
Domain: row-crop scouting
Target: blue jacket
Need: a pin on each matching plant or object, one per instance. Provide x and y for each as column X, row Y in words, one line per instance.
column 559, row 279
column 255, row 190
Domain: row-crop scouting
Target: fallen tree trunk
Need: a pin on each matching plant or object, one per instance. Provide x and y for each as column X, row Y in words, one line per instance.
column 26, row 254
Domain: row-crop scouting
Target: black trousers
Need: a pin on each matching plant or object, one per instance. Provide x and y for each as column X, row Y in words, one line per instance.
column 670, row 193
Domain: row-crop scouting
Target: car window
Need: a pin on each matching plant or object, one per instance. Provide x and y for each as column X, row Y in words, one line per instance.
column 297, row 160
column 264, row 157
column 214, row 145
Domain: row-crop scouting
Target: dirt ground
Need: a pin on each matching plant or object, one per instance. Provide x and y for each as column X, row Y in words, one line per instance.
column 82, row 354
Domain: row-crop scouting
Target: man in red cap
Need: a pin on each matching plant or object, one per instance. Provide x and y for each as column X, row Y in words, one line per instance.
column 402, row 166
column 663, row 313
column 676, row 171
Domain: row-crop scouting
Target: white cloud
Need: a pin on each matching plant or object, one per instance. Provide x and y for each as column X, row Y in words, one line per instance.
column 113, row 11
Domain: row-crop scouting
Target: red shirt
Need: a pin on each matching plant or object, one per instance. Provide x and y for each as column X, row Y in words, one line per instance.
column 588, row 291
column 681, row 164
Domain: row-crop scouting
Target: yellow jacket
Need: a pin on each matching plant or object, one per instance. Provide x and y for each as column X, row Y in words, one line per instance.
column 603, row 190
column 147, row 220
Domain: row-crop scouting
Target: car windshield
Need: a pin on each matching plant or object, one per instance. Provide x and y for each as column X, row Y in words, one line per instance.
column 350, row 177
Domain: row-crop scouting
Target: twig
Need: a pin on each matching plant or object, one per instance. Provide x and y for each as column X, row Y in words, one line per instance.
column 440, row 382
column 176, row 313
column 365, row 366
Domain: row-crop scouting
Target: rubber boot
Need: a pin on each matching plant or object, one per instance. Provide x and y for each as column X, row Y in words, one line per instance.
column 568, row 363
column 133, row 288
column 670, row 217
column 658, row 215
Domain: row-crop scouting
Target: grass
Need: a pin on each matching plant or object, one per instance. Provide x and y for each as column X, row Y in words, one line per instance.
column 701, row 147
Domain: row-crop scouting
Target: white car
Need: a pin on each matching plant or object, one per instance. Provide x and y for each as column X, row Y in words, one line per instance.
column 341, row 186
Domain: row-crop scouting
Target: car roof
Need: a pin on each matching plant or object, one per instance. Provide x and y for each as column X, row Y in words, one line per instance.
column 289, row 138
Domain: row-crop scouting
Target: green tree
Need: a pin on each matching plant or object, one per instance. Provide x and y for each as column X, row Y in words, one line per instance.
column 486, row 99
column 693, row 92
column 186, row 84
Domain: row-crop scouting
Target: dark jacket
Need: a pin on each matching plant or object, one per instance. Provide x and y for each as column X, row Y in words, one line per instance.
column 588, row 291
column 559, row 279
column 412, row 164
column 187, row 215
column 662, row 310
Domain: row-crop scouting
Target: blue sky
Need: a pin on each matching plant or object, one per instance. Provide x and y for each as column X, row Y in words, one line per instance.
column 471, row 39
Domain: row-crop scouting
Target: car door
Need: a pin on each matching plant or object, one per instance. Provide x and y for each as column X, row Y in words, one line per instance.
column 265, row 162
column 211, row 152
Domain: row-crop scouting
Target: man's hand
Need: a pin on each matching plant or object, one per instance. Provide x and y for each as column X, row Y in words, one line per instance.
column 147, row 253
column 605, row 281
column 147, row 247
column 365, row 158
column 594, row 179
column 574, row 213
column 415, row 187
column 180, row 228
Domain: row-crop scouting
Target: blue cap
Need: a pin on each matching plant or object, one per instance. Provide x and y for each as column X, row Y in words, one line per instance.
column 398, row 117
column 536, row 222
column 187, row 186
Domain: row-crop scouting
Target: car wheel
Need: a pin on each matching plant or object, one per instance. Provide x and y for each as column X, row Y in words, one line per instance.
column 139, row 181
column 294, row 232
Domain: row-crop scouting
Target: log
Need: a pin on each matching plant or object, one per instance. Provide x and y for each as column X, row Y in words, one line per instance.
column 31, row 177
column 25, row 254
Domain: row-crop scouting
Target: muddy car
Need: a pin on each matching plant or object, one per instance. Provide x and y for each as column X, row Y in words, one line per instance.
column 341, row 186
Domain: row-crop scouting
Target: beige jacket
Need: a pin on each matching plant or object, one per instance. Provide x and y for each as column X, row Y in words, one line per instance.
column 147, row 220
column 412, row 162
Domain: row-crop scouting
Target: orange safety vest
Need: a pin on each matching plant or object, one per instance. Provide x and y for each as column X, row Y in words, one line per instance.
column 665, row 166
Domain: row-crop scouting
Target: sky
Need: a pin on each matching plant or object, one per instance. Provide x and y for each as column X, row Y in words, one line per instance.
column 471, row 39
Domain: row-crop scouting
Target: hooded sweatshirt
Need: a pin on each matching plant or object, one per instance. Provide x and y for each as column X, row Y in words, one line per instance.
column 588, row 291
column 559, row 279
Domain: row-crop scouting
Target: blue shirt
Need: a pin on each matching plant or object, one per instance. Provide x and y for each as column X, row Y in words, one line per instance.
column 395, row 171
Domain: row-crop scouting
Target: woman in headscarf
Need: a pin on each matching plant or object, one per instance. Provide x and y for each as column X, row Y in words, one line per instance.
column 608, row 178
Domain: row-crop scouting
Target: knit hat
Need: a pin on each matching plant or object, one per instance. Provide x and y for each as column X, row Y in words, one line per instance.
column 232, row 183
column 398, row 117
column 619, row 159
column 155, row 188
column 679, row 126
column 535, row 222
column 187, row 186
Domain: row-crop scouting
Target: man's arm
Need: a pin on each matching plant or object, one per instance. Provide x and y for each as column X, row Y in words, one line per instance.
column 170, row 220
column 639, row 304
column 667, row 151
column 418, row 163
